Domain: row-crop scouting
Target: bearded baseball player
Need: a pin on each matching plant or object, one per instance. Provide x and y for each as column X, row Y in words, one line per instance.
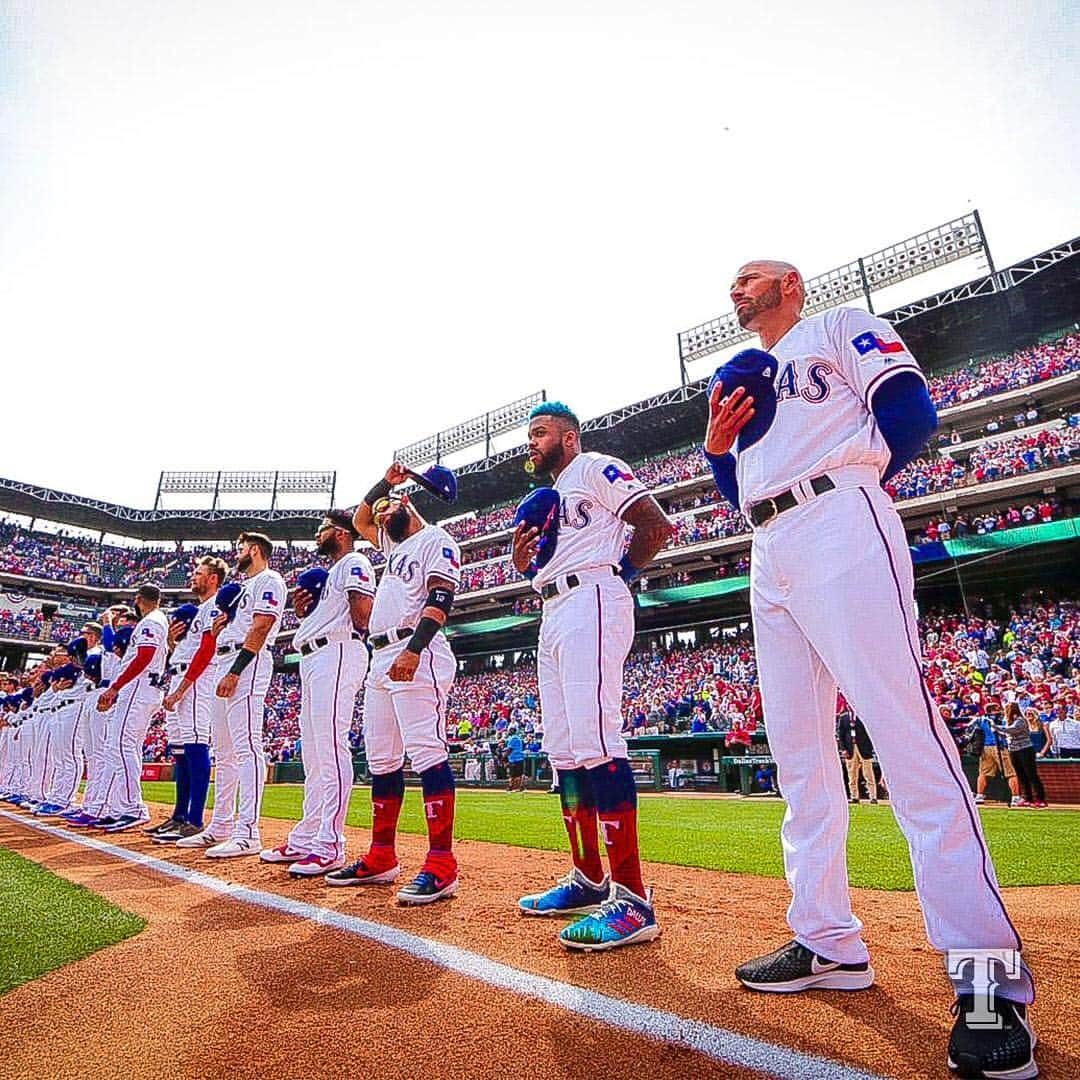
column 243, row 635
column 838, row 405
column 586, row 631
column 136, row 694
column 190, row 707
column 335, row 608
column 412, row 668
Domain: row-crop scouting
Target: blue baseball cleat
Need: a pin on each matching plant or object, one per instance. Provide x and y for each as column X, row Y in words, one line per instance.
column 574, row 894
column 623, row 919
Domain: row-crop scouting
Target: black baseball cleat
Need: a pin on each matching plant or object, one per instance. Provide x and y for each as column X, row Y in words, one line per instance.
column 162, row 827
column 426, row 888
column 794, row 967
column 998, row 1053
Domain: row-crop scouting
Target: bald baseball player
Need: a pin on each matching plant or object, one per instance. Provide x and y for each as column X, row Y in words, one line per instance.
column 333, row 666
column 586, row 631
column 136, row 694
column 412, row 669
column 832, row 600
column 190, row 707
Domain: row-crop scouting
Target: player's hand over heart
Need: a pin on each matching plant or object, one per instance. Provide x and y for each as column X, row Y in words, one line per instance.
column 526, row 545
column 404, row 667
column 219, row 624
column 302, row 602
column 727, row 417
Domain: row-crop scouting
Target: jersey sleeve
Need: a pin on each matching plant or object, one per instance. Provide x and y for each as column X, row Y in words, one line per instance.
column 270, row 596
column 614, row 485
column 443, row 558
column 149, row 633
column 356, row 575
column 870, row 351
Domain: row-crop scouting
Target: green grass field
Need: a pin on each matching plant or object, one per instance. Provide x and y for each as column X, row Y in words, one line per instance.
column 47, row 922
column 743, row 836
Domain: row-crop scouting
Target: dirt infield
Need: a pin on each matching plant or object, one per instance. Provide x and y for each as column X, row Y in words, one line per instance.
column 217, row 986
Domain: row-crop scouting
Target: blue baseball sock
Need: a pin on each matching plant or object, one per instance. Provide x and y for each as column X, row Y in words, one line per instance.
column 183, row 782
column 198, row 758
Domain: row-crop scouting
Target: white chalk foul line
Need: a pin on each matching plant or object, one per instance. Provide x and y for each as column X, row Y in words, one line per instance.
column 719, row 1044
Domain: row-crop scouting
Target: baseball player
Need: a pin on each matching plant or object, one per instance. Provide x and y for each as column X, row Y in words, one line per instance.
column 136, row 694
column 412, row 668
column 190, row 708
column 42, row 752
column 586, row 631
column 117, row 624
column 67, row 740
column 241, row 636
column 335, row 609
column 832, row 600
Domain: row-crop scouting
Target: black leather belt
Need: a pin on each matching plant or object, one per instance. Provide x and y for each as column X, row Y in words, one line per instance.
column 380, row 641
column 104, row 684
column 310, row 647
column 179, row 669
column 551, row 590
column 158, row 681
column 761, row 513
column 224, row 650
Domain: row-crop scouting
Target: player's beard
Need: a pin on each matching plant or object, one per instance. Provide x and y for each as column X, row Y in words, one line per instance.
column 397, row 524
column 766, row 302
column 328, row 546
column 243, row 564
column 551, row 461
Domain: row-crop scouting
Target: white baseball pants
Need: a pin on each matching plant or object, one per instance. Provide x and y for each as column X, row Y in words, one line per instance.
column 585, row 637
column 330, row 680
column 408, row 717
column 832, row 598
column 122, row 776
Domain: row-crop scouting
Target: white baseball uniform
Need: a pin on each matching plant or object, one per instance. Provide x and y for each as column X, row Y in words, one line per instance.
column 20, row 776
column 333, row 666
column 192, row 720
column 832, row 599
column 586, row 630
column 95, row 737
column 135, row 706
column 239, row 755
column 409, row 717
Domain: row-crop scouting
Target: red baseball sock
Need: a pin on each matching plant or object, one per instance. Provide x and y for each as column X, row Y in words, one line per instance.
column 616, row 799
column 579, row 816
column 387, row 795
column 438, row 783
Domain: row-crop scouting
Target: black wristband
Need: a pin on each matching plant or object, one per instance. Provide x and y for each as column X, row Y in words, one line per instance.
column 379, row 491
column 425, row 630
column 243, row 658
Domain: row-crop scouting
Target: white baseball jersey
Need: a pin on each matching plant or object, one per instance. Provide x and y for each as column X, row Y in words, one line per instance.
column 264, row 594
column 595, row 490
column 188, row 645
column 830, row 365
column 352, row 573
column 110, row 665
column 402, row 592
column 151, row 630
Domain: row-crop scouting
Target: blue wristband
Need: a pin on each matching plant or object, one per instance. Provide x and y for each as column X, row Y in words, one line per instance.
column 627, row 570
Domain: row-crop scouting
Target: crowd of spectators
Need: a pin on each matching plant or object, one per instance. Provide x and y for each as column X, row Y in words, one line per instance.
column 980, row 523
column 1027, row 367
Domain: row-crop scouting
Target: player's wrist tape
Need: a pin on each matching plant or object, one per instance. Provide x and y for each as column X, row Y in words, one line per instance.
column 379, row 491
column 243, row 658
column 425, row 630
column 627, row 570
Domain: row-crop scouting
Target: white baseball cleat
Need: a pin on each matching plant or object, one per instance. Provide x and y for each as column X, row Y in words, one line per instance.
column 204, row 839
column 314, row 865
column 231, row 849
column 283, row 853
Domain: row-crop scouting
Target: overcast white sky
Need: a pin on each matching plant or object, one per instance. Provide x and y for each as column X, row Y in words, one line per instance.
column 302, row 234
